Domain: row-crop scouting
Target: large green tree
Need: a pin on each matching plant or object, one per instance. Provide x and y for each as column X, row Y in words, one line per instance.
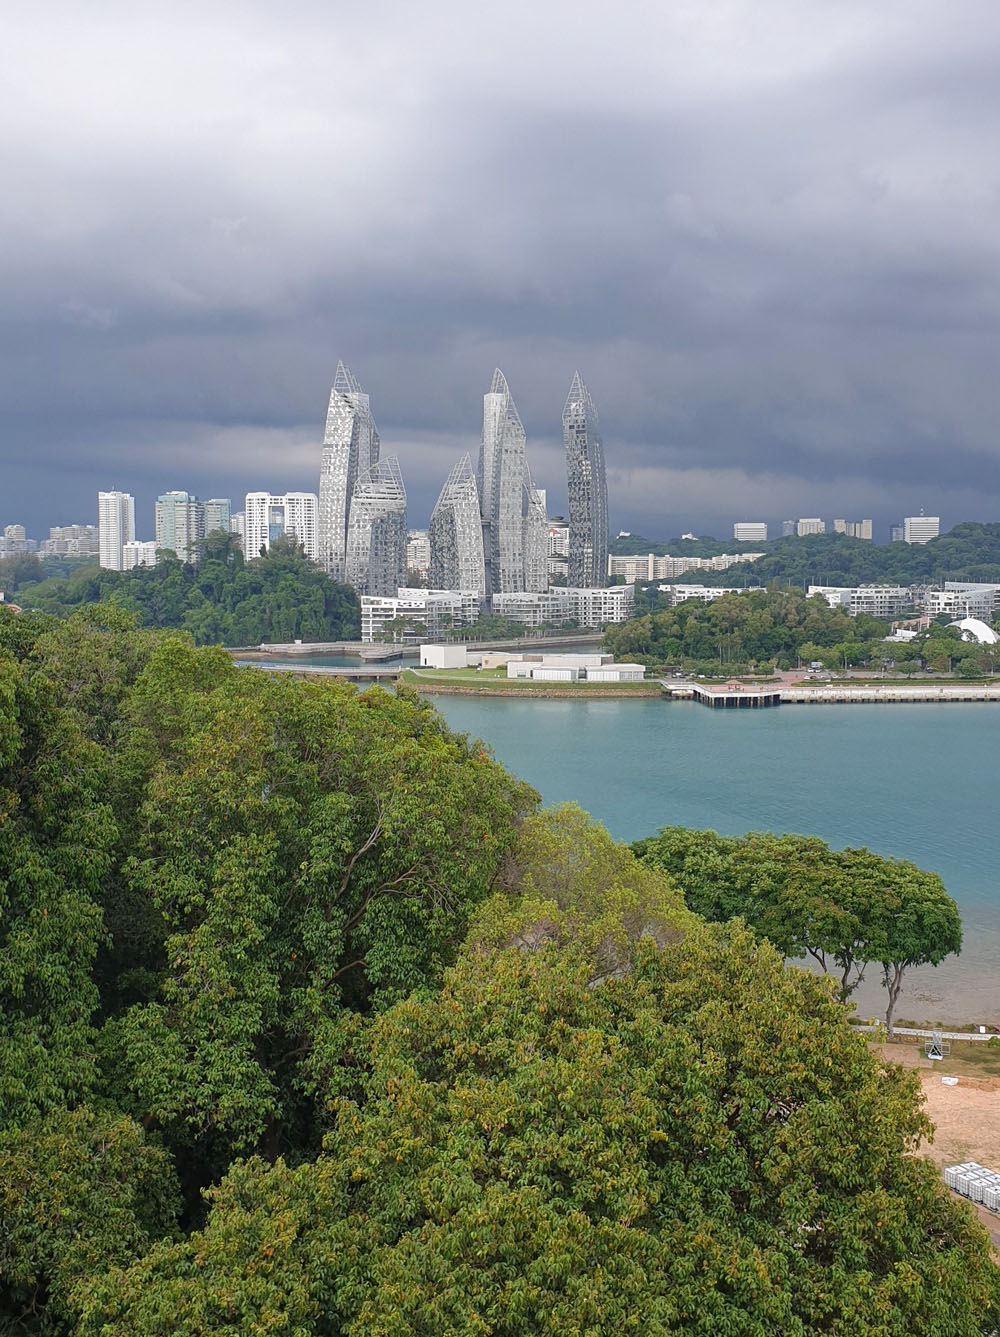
column 699, row 1145
column 844, row 908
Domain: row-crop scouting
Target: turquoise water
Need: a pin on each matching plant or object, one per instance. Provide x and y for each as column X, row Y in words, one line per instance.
column 919, row 782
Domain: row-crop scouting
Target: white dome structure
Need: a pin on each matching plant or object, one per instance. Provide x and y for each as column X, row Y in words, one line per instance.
column 974, row 629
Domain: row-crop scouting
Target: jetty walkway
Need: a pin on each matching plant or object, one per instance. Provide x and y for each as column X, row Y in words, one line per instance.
column 737, row 695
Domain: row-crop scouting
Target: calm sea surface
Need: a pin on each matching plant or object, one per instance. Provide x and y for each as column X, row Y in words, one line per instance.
column 919, row 782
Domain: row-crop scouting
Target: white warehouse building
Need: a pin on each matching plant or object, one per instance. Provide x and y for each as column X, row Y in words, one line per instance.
column 573, row 668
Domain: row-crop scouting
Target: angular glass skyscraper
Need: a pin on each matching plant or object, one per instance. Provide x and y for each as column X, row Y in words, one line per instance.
column 536, row 537
column 376, row 530
column 456, row 534
column 350, row 449
column 501, row 478
column 588, row 490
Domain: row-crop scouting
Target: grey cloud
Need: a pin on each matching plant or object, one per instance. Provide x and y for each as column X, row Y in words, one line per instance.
column 766, row 236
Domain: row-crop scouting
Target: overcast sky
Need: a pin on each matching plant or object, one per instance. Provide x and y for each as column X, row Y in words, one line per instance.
column 765, row 231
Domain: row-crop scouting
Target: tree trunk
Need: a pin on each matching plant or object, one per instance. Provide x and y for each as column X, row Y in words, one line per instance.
column 893, row 983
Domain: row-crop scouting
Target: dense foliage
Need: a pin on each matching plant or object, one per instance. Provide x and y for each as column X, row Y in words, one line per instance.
column 697, row 1146
column 967, row 552
column 280, row 596
column 251, row 1081
column 741, row 629
column 844, row 908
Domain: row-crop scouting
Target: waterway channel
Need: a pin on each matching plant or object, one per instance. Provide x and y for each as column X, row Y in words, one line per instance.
column 915, row 781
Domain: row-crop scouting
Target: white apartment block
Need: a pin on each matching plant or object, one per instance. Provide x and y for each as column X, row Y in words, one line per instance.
column 883, row 601
column 855, row 529
column 71, row 541
column 268, row 516
column 678, row 594
column 596, row 607
column 962, row 599
column 813, row 525
column 648, row 568
column 138, row 553
column 921, row 528
column 115, row 527
column 750, row 531
column 837, row 596
column 435, row 610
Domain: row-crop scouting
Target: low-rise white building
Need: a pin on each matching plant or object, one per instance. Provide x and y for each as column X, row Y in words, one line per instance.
column 678, row 594
column 649, row 567
column 431, row 610
column 573, row 668
column 444, row 656
column 138, row 553
column 587, row 607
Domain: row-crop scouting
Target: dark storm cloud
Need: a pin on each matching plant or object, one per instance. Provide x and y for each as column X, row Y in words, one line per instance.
column 766, row 234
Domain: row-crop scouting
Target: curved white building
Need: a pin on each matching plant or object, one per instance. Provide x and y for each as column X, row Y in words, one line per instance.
column 501, row 479
column 350, row 449
column 587, row 487
column 456, row 534
column 376, row 531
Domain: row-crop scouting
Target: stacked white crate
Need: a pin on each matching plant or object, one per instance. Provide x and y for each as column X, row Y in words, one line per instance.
column 975, row 1182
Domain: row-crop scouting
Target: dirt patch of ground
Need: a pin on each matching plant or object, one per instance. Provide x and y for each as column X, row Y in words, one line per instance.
column 966, row 1119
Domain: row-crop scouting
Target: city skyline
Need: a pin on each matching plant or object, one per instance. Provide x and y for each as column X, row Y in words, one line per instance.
column 781, row 287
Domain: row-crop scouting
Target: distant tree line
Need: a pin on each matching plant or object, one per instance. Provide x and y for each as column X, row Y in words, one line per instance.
column 967, row 552
column 224, row 599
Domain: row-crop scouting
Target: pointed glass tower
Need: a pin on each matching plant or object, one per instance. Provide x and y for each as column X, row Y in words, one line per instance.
column 500, row 475
column 456, row 534
column 376, row 530
column 536, row 537
column 588, row 489
column 350, row 448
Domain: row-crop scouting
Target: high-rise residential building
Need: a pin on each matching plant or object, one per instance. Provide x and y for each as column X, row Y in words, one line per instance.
column 921, row 528
column 218, row 515
column 350, row 449
column 456, row 534
column 115, row 527
column 269, row 516
column 501, row 475
column 418, row 553
column 855, row 529
column 557, row 565
column 180, row 524
column 376, row 530
column 811, row 526
column 787, row 529
column 535, row 543
column 138, row 553
column 587, row 487
column 895, row 533
column 750, row 531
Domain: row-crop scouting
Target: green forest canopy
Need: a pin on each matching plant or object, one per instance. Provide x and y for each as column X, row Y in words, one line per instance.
column 224, row 600
column 747, row 628
column 311, row 1022
column 970, row 551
